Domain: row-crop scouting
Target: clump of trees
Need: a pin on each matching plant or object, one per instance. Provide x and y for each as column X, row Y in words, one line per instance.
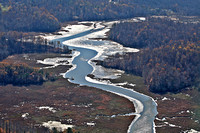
column 22, row 74
column 7, row 126
column 13, row 43
column 69, row 130
column 168, row 62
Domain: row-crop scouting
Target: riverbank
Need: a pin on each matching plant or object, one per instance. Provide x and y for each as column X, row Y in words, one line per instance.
column 98, row 50
column 88, row 110
column 167, row 119
column 176, row 112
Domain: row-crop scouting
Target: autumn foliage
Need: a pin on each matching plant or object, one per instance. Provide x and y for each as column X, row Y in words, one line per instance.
column 169, row 60
column 47, row 15
column 13, row 42
column 21, row 74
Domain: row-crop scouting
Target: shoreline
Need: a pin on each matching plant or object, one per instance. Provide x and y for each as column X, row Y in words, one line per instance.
column 135, row 101
column 110, row 111
column 101, row 56
column 176, row 113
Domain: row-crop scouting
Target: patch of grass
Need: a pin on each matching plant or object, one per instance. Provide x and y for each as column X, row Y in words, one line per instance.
column 40, row 119
column 139, row 81
column 108, row 125
column 197, row 113
column 181, row 96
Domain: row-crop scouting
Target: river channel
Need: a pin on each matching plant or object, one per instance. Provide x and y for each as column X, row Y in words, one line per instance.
column 145, row 106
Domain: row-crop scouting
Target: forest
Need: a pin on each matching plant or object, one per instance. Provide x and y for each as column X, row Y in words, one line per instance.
column 22, row 74
column 19, row 42
column 169, row 53
column 154, row 33
column 47, row 16
column 155, row 37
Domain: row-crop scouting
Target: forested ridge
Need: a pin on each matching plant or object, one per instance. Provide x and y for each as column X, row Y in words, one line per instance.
column 47, row 15
column 169, row 58
column 154, row 33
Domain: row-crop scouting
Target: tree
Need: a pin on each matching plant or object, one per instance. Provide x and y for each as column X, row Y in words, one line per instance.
column 69, row 130
column 55, row 130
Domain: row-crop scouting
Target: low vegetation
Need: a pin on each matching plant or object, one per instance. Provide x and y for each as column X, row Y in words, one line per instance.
column 178, row 109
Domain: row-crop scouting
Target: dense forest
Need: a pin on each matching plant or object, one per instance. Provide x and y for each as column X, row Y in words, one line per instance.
column 169, row 58
column 46, row 16
column 154, row 33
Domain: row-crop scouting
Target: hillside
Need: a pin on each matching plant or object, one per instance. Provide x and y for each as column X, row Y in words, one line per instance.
column 46, row 16
column 169, row 58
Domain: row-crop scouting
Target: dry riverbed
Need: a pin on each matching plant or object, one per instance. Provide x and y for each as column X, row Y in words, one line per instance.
column 87, row 109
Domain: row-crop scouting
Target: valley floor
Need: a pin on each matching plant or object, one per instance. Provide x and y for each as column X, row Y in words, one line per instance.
column 87, row 109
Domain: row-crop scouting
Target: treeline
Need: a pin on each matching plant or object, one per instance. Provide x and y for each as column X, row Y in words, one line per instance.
column 23, row 17
column 22, row 74
column 7, row 126
column 18, row 43
column 154, row 33
column 46, row 16
column 182, row 7
column 170, row 62
column 69, row 130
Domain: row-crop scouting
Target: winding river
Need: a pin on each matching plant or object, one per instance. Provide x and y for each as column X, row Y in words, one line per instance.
column 145, row 106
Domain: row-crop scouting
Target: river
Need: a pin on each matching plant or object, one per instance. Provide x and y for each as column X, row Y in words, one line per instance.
column 145, row 106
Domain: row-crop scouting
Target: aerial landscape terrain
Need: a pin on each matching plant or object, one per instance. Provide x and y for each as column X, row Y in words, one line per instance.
column 99, row 66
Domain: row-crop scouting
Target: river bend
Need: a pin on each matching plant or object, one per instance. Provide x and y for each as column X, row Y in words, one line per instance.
column 145, row 106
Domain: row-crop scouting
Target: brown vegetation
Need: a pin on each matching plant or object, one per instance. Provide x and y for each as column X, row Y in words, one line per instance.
column 170, row 61
column 70, row 102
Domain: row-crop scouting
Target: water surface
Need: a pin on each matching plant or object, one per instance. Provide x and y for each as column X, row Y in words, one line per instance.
column 145, row 120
